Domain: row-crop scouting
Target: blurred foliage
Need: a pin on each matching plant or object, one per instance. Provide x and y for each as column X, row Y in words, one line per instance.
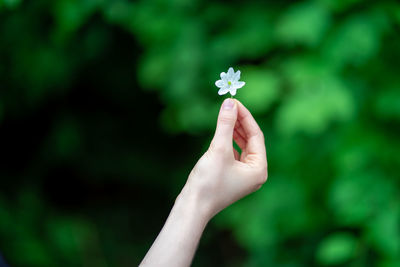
column 105, row 106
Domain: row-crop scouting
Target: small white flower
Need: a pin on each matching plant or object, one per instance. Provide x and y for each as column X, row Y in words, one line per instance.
column 229, row 82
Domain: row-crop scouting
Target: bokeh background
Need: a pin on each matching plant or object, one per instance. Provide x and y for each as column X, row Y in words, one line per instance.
column 106, row 105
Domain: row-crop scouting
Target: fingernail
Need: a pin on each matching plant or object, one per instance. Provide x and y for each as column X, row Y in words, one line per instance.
column 228, row 103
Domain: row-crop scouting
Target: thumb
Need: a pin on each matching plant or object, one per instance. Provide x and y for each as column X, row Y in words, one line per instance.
column 226, row 123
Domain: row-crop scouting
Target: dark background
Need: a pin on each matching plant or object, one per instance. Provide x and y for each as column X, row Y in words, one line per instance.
column 105, row 106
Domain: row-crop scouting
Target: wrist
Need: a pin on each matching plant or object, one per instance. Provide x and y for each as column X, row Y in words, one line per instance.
column 190, row 202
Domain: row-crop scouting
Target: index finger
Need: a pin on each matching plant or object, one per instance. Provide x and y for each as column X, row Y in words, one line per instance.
column 254, row 135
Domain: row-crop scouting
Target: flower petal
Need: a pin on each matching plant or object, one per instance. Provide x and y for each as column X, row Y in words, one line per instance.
column 231, row 72
column 239, row 84
column 223, row 90
column 223, row 76
column 237, row 76
column 220, row 83
column 232, row 91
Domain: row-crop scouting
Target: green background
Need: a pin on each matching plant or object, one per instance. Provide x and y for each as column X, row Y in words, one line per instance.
column 106, row 105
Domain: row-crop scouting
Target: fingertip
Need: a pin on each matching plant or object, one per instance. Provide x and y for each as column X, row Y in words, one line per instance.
column 229, row 103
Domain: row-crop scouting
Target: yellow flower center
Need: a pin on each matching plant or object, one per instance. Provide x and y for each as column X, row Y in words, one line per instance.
column 229, row 83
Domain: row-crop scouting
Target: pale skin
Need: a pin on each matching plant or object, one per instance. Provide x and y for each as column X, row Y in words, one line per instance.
column 221, row 177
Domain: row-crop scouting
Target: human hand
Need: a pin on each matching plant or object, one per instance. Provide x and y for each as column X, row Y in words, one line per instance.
column 223, row 176
column 220, row 177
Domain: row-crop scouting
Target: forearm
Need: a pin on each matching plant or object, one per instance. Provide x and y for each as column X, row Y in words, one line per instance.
column 178, row 240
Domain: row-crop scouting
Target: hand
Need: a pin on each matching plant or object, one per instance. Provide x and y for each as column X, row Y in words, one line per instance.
column 220, row 177
column 223, row 176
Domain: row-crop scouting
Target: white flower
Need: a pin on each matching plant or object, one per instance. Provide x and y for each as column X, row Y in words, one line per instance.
column 229, row 82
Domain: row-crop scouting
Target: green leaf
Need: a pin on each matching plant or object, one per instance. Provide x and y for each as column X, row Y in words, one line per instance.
column 261, row 89
column 70, row 236
column 119, row 12
column 10, row 3
column 154, row 69
column 198, row 116
column 337, row 248
column 48, row 76
column 260, row 221
column 253, row 42
column 304, row 23
column 355, row 41
column 383, row 229
column 340, row 5
column 311, row 111
column 34, row 252
column 357, row 195
column 155, row 24
column 388, row 103
column 72, row 14
column 195, row 116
